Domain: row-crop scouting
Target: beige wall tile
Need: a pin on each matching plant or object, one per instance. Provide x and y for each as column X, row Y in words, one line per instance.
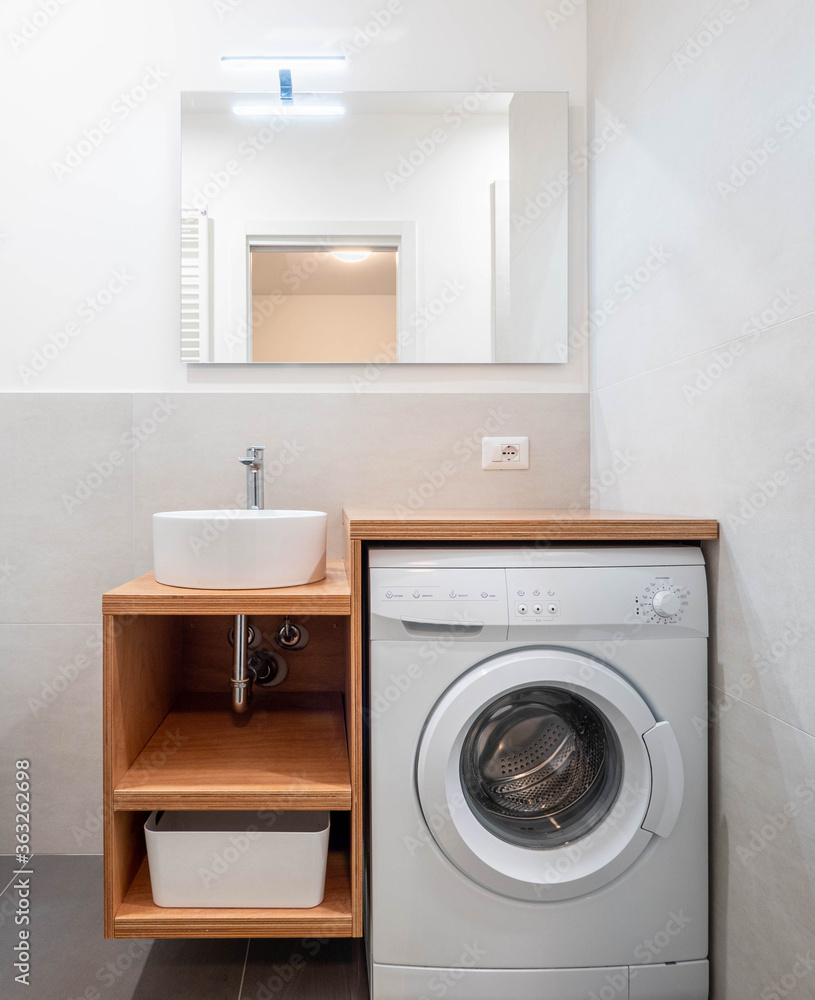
column 52, row 716
column 329, row 451
column 67, row 504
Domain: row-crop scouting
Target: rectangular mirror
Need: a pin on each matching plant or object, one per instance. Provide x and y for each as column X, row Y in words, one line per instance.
column 368, row 227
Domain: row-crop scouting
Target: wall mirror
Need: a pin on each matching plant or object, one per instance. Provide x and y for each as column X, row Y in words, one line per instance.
column 374, row 227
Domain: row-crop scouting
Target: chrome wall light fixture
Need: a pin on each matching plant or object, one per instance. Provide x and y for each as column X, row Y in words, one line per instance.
column 287, row 106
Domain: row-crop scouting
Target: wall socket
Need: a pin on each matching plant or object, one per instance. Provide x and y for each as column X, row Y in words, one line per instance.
column 505, row 454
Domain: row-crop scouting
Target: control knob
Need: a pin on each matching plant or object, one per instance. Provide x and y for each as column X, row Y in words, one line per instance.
column 666, row 603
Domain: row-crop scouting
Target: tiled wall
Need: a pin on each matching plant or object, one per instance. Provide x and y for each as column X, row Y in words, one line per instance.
column 82, row 474
column 702, row 291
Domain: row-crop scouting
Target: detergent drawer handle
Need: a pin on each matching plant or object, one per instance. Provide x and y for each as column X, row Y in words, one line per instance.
column 430, row 627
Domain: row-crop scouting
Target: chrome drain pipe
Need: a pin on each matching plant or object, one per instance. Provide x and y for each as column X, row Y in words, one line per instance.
column 241, row 682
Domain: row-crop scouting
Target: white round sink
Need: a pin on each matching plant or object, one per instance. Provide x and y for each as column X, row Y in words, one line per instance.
column 239, row 549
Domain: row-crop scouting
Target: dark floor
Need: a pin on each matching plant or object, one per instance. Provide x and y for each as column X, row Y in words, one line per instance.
column 70, row 959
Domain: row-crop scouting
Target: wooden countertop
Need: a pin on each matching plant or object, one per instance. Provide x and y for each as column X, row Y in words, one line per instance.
column 484, row 525
column 143, row 596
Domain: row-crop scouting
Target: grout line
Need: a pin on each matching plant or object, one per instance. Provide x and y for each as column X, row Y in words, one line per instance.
column 707, row 350
column 245, row 961
column 626, row 116
column 13, row 877
column 763, row 711
column 670, row 60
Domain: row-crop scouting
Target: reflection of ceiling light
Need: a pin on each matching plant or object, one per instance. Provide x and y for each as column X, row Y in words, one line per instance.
column 351, row 256
column 288, row 110
column 273, row 62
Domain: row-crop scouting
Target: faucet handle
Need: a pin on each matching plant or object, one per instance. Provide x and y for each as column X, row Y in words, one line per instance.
column 254, row 455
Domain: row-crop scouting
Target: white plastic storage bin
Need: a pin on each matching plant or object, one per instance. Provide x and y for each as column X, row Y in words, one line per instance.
column 240, row 859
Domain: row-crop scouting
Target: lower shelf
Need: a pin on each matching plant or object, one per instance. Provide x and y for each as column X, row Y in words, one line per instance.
column 139, row 917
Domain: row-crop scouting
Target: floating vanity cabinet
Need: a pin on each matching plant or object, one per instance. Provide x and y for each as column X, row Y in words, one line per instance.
column 172, row 741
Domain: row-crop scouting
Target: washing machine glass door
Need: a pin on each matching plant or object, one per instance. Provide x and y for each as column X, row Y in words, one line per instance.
column 534, row 775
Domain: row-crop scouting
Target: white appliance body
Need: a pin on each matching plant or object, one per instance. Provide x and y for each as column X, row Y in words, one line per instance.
column 604, row 900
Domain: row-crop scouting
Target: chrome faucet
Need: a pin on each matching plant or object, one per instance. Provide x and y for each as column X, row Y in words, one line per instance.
column 254, row 477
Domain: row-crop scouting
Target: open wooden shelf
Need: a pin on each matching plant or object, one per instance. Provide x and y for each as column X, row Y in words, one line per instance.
column 138, row 916
column 143, row 596
column 288, row 752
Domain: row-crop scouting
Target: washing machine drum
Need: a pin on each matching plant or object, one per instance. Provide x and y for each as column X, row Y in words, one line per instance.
column 541, row 767
column 543, row 774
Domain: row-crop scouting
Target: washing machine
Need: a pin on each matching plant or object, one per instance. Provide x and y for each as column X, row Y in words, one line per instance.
column 537, row 758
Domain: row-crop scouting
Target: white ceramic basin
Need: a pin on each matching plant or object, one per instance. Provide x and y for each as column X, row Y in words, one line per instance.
column 239, row 549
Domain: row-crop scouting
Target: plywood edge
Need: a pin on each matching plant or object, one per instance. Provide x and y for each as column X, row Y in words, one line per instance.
column 148, row 800
column 523, row 525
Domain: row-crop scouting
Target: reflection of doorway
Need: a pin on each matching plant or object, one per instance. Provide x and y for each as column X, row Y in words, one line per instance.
column 325, row 304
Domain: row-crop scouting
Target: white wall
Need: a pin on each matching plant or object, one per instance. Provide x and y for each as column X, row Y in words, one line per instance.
column 89, row 258
column 702, row 298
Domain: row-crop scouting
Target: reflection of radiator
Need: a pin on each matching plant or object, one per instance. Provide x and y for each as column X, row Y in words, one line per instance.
column 196, row 285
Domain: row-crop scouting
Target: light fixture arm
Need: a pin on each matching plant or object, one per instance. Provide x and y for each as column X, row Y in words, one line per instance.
column 285, row 85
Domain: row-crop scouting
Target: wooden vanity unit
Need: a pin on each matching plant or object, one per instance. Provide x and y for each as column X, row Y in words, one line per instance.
column 173, row 742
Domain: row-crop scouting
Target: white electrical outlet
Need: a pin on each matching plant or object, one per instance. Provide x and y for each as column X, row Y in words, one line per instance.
column 505, row 454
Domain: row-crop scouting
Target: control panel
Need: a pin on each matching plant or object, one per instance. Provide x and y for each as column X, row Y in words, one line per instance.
column 557, row 602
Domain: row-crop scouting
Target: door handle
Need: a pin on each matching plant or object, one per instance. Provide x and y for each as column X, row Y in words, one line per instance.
column 667, row 779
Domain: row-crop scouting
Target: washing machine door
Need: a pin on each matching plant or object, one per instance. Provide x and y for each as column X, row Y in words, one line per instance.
column 543, row 774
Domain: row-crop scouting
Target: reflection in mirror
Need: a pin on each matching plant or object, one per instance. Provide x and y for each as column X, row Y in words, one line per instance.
column 328, row 305
column 458, row 199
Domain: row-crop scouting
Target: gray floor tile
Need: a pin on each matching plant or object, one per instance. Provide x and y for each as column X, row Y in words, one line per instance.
column 304, row 969
column 70, row 959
